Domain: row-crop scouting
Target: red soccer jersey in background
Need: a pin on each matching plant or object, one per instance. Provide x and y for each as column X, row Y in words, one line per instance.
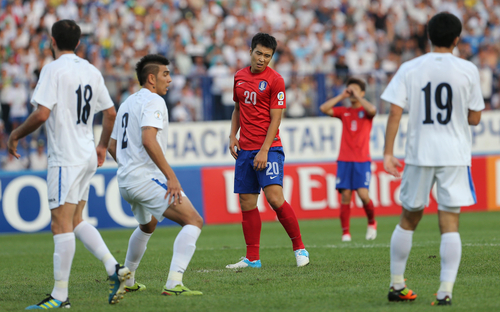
column 356, row 127
column 257, row 94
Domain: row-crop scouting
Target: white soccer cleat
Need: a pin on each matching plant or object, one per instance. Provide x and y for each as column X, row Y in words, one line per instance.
column 371, row 232
column 302, row 257
column 245, row 263
column 346, row 237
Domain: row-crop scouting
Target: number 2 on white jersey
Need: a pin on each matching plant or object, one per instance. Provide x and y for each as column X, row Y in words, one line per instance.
column 124, row 126
column 250, row 97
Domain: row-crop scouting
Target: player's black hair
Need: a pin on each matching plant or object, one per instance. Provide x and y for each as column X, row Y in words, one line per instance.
column 443, row 28
column 264, row 40
column 143, row 68
column 67, row 34
column 357, row 81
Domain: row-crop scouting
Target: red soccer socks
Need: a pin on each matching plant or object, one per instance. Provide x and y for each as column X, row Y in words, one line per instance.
column 252, row 226
column 287, row 218
column 370, row 213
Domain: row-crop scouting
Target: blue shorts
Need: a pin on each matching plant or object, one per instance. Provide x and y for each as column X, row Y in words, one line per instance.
column 250, row 181
column 353, row 175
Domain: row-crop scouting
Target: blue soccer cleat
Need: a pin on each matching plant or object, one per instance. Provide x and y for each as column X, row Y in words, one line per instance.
column 49, row 303
column 245, row 263
column 302, row 257
column 117, row 284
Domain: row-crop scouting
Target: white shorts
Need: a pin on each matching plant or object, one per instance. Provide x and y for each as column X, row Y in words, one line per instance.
column 70, row 184
column 454, row 187
column 147, row 199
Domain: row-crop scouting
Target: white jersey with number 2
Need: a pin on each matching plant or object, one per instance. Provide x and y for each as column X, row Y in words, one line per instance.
column 141, row 109
column 438, row 90
column 74, row 90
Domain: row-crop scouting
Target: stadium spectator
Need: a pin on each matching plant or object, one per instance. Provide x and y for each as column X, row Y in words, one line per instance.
column 11, row 163
column 38, row 159
column 17, row 97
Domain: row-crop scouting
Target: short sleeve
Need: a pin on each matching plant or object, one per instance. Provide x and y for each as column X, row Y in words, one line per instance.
column 114, row 133
column 278, row 97
column 476, row 101
column 338, row 112
column 46, row 89
column 104, row 100
column 235, row 95
column 395, row 93
column 153, row 113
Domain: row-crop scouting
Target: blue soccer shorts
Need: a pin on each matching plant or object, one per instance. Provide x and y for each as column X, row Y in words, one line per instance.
column 250, row 181
column 353, row 175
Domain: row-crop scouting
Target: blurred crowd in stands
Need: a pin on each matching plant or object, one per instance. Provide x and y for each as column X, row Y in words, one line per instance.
column 320, row 43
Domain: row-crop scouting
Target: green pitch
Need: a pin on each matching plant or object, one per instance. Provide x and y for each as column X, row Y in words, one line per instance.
column 342, row 276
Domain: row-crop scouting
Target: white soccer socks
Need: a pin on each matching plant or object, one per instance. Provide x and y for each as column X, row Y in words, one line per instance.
column 184, row 247
column 64, row 251
column 137, row 246
column 400, row 250
column 92, row 240
column 451, row 252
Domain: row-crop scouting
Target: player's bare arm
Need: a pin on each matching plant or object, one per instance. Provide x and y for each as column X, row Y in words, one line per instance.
column 260, row 160
column 235, row 126
column 154, row 151
column 391, row 163
column 474, row 117
column 370, row 109
column 112, row 148
column 108, row 121
column 327, row 107
column 34, row 121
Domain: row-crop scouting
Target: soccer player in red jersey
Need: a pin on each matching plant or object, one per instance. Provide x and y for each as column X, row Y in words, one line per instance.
column 353, row 163
column 259, row 96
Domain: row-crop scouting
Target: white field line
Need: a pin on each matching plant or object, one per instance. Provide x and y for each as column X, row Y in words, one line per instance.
column 354, row 246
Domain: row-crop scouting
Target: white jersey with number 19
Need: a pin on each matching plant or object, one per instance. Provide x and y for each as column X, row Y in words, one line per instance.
column 74, row 90
column 438, row 90
column 141, row 109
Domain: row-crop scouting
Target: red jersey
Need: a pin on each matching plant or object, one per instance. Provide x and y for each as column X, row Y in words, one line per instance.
column 257, row 94
column 356, row 127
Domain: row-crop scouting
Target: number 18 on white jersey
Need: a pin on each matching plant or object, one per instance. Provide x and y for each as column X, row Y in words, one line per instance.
column 74, row 90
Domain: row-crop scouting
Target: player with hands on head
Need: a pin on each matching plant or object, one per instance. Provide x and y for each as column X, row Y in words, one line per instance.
column 354, row 161
column 259, row 96
column 146, row 180
column 443, row 97
column 68, row 94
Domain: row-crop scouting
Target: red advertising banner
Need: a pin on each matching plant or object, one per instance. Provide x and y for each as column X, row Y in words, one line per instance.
column 310, row 189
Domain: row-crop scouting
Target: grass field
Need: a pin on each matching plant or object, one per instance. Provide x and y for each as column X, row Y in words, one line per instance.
column 342, row 276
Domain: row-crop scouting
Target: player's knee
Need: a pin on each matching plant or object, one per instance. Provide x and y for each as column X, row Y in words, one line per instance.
column 149, row 227
column 275, row 201
column 365, row 199
column 198, row 221
column 410, row 218
column 346, row 197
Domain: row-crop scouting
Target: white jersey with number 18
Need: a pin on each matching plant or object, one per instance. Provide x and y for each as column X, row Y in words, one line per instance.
column 141, row 109
column 438, row 90
column 74, row 90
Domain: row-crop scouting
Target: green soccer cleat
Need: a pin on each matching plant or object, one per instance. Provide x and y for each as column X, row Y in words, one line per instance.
column 117, row 284
column 50, row 303
column 135, row 287
column 445, row 301
column 404, row 294
column 180, row 290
